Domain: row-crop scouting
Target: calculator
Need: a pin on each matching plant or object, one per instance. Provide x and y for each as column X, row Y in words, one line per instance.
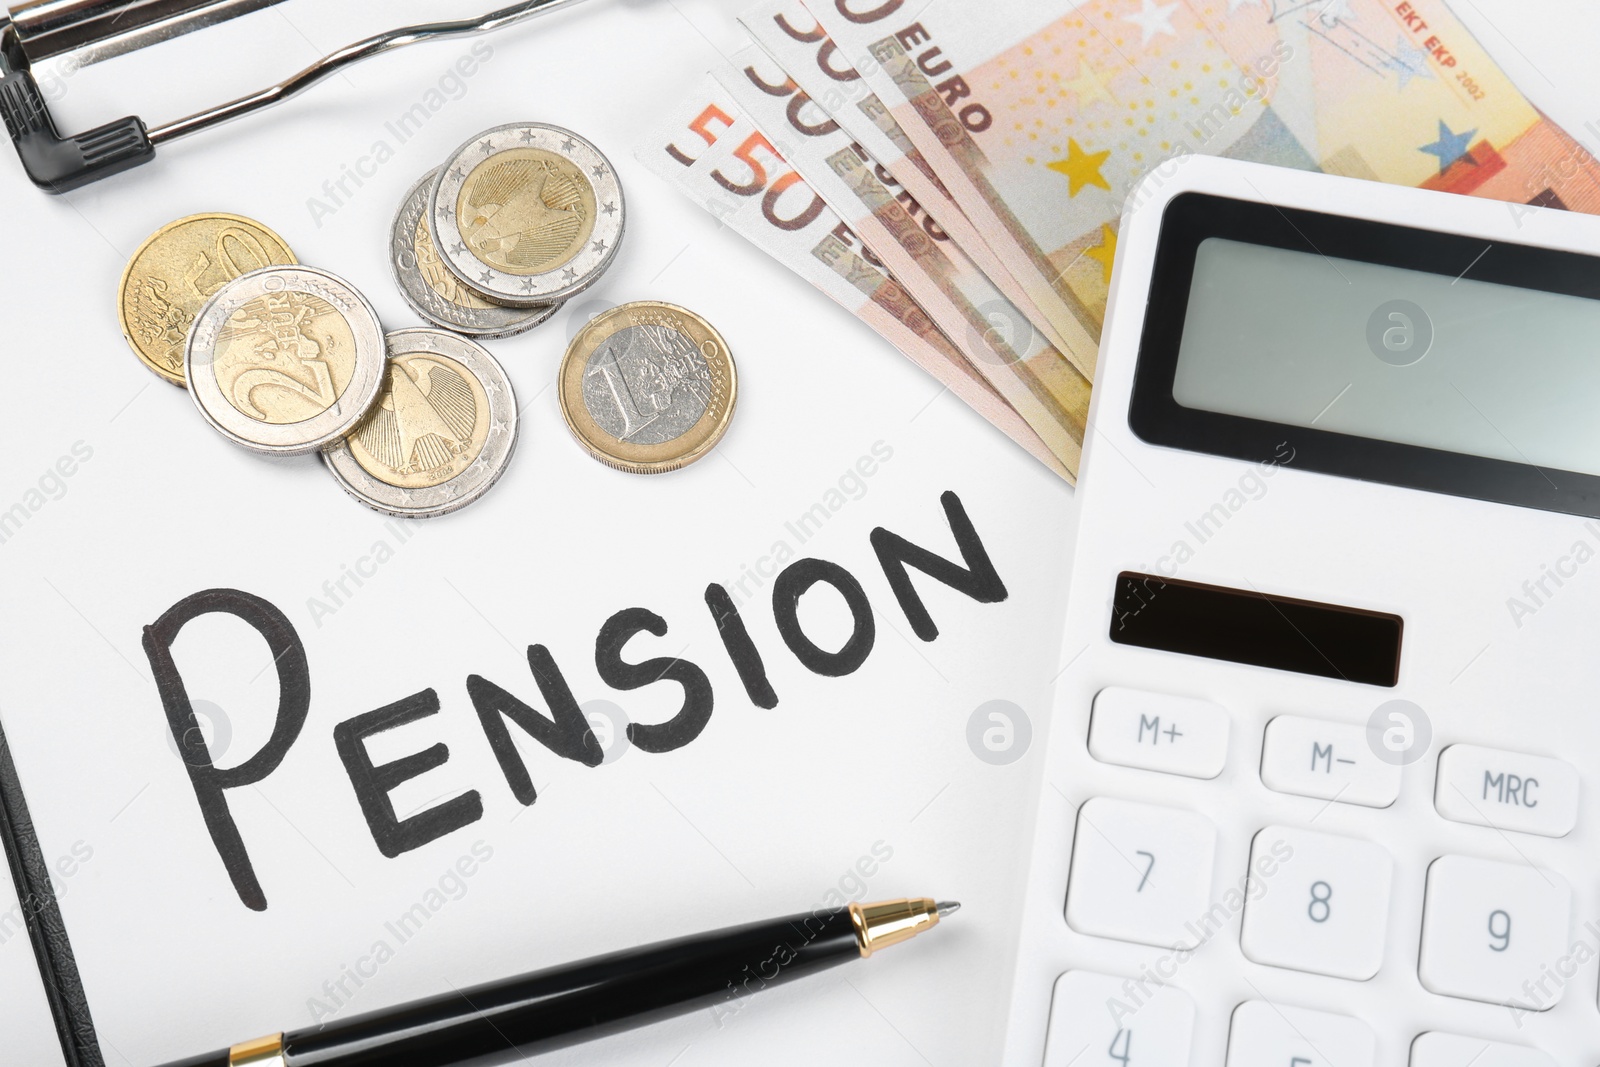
column 1320, row 775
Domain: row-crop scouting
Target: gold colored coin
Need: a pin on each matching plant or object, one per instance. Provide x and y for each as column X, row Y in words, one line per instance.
column 648, row 387
column 526, row 211
column 430, row 423
column 176, row 270
column 285, row 357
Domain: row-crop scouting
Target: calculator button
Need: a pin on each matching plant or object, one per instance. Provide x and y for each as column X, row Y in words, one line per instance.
column 1490, row 930
column 1147, row 1025
column 1328, row 761
column 1139, row 872
column 1158, row 732
column 1507, row 790
column 1317, row 902
column 1452, row 1050
column 1269, row 1035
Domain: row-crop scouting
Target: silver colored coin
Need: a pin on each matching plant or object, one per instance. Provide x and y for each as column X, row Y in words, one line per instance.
column 527, row 214
column 441, row 434
column 285, row 359
column 435, row 293
column 658, row 367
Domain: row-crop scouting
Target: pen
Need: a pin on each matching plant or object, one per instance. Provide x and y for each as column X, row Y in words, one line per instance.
column 567, row 1004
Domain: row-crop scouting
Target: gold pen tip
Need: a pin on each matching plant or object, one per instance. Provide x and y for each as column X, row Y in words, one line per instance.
column 889, row 922
column 948, row 907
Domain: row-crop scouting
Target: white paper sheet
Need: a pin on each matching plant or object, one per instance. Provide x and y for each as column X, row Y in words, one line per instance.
column 767, row 812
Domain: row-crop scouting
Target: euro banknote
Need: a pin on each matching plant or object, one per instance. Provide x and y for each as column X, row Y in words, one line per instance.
column 1402, row 92
column 1040, row 118
column 1027, row 371
column 791, row 35
column 713, row 153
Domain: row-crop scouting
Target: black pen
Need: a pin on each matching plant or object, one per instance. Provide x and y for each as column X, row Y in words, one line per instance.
column 564, row 1005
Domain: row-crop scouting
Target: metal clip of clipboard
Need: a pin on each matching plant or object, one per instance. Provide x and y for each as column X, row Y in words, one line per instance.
column 93, row 30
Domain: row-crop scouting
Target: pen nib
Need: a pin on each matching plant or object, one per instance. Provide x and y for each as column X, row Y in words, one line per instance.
column 948, row 907
column 889, row 922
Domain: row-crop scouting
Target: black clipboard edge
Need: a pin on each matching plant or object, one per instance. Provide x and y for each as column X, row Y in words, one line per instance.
column 52, row 948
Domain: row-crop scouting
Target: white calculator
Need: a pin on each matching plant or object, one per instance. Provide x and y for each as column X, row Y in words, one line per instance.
column 1321, row 772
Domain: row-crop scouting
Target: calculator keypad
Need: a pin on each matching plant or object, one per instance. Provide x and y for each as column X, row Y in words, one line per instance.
column 1324, row 906
column 1490, row 930
column 1452, row 1050
column 1150, row 1026
column 1271, row 1035
column 1313, row 901
column 1328, row 761
column 1139, row 872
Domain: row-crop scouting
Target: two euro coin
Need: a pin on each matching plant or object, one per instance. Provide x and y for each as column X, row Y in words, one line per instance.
column 284, row 360
column 430, row 287
column 441, row 433
column 527, row 214
column 289, row 360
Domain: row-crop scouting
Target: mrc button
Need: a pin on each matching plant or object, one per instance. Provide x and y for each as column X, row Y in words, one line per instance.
column 1507, row 790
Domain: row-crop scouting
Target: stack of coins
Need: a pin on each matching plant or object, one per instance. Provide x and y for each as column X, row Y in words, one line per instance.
column 525, row 216
column 286, row 359
column 518, row 220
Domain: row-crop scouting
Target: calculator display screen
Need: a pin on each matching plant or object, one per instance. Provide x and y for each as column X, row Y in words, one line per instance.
column 1395, row 354
column 1251, row 626
column 1425, row 359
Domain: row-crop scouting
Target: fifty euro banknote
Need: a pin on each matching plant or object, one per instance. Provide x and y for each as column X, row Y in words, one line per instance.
column 715, row 155
column 1024, row 368
column 790, row 34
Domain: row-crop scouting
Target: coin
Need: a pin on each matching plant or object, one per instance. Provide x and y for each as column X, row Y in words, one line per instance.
column 527, row 214
column 436, row 294
column 285, row 359
column 648, row 387
column 179, row 268
column 441, row 434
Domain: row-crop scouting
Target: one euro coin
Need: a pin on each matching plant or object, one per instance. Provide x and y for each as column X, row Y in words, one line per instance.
column 648, row 387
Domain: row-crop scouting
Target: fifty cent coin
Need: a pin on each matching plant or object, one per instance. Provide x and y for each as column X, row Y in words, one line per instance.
column 441, row 434
column 436, row 294
column 648, row 387
column 285, row 359
column 527, row 214
column 179, row 268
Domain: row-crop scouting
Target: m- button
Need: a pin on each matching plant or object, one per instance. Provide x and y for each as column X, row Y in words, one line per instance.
column 1326, row 760
column 1507, row 790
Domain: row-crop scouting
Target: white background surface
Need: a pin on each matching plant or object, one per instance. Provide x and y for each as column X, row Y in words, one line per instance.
column 763, row 814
